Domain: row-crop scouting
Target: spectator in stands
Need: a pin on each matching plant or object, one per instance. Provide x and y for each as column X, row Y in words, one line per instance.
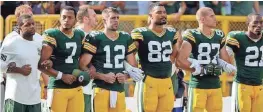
column 7, row 8
column 120, row 5
column 191, row 7
column 215, row 5
column 143, row 7
column 97, row 6
column 40, row 7
column 244, row 8
column 176, row 9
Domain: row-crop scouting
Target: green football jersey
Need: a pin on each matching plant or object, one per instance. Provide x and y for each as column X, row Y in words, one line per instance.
column 205, row 50
column 66, row 52
column 248, row 57
column 108, row 55
column 154, row 50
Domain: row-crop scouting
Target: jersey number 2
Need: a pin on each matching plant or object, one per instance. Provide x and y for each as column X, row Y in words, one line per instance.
column 254, row 57
column 68, row 46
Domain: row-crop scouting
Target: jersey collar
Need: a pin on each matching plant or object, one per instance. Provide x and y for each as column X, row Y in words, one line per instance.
column 159, row 34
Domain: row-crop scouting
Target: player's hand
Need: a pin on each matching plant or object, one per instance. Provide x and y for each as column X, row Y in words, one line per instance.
column 226, row 66
column 195, row 64
column 68, row 78
column 47, row 64
column 26, row 70
column 109, row 78
column 121, row 77
column 136, row 74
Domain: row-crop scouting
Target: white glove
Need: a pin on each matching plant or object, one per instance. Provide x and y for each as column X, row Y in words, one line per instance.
column 226, row 66
column 195, row 64
column 135, row 73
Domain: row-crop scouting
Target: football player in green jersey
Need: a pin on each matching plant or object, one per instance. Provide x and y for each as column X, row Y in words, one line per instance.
column 247, row 48
column 155, row 46
column 206, row 45
column 107, row 50
column 87, row 20
column 63, row 46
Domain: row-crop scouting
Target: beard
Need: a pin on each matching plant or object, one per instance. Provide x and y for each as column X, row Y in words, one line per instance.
column 161, row 23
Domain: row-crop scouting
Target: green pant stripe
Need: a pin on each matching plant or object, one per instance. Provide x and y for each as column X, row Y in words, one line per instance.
column 140, row 96
column 87, row 99
column 190, row 99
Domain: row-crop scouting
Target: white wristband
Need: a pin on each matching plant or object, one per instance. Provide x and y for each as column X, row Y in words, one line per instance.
column 59, row 75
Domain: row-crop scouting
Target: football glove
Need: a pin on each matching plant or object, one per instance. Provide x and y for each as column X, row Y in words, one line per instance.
column 212, row 69
column 195, row 64
column 226, row 66
column 135, row 73
column 83, row 77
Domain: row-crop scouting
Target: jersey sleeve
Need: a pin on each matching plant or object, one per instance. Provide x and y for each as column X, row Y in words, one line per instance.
column 232, row 42
column 8, row 53
column 131, row 46
column 176, row 36
column 136, row 35
column 50, row 38
column 223, row 37
column 188, row 36
column 89, row 44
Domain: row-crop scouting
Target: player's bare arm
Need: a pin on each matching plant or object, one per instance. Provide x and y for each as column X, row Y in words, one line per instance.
column 45, row 55
column 183, row 55
column 84, row 61
column 224, row 55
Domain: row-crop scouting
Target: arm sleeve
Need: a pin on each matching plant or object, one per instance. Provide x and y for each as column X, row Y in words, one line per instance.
column 7, row 54
column 89, row 45
column 188, row 36
column 232, row 42
column 49, row 38
column 136, row 35
column 175, row 38
column 131, row 46
column 223, row 41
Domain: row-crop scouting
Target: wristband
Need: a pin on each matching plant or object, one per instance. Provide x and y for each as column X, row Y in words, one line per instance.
column 59, row 75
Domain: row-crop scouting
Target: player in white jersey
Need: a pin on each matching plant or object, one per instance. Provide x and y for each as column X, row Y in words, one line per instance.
column 20, row 55
column 87, row 20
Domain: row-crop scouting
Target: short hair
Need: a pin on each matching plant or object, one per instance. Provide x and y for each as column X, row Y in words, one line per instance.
column 152, row 6
column 21, row 9
column 21, row 18
column 83, row 11
column 249, row 17
column 202, row 12
column 109, row 10
column 68, row 8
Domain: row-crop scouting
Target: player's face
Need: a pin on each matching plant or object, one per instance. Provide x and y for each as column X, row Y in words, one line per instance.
column 159, row 15
column 28, row 27
column 93, row 21
column 255, row 25
column 210, row 19
column 67, row 19
column 112, row 22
